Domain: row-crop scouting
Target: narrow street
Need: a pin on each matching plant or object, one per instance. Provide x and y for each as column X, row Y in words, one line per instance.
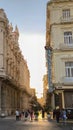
column 12, row 124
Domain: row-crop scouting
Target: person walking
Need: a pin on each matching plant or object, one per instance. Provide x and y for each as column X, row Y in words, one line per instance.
column 31, row 115
column 17, row 114
column 54, row 113
column 57, row 114
column 64, row 116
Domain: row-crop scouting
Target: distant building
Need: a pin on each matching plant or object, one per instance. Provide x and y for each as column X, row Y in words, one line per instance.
column 14, row 72
column 33, row 92
column 45, row 87
column 59, row 52
column 41, row 101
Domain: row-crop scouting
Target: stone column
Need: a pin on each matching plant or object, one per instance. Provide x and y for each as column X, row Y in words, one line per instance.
column 53, row 101
column 63, row 103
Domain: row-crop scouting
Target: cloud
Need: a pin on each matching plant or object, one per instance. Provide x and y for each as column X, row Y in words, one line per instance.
column 32, row 46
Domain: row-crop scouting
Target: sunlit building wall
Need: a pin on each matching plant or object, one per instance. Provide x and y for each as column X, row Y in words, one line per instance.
column 45, row 87
column 14, row 72
column 59, row 37
column 33, row 92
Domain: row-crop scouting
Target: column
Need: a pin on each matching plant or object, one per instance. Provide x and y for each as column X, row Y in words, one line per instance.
column 53, row 101
column 63, row 103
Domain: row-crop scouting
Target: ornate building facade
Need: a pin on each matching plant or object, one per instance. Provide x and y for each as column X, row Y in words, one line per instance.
column 14, row 72
column 59, row 52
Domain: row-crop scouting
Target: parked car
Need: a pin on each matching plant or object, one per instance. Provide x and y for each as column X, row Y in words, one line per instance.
column 2, row 115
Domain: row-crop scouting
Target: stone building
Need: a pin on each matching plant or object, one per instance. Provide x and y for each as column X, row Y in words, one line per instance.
column 14, row 72
column 33, row 92
column 45, row 87
column 59, row 52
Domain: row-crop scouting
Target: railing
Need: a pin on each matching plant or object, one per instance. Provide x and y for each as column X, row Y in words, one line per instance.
column 66, row 19
column 67, row 80
column 64, row 46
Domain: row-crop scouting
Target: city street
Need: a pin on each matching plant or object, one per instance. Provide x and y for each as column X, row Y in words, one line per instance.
column 12, row 124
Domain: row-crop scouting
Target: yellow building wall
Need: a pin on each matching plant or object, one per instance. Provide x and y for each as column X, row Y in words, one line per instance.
column 56, row 10
column 59, row 64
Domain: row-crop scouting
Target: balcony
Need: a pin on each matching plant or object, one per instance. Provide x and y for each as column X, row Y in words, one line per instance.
column 66, row 19
column 67, row 80
column 64, row 46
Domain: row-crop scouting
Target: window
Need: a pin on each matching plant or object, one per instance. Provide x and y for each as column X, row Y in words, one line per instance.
column 69, row 69
column 68, row 38
column 66, row 13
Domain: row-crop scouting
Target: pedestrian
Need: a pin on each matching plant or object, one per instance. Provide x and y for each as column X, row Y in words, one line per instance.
column 64, row 116
column 31, row 115
column 57, row 113
column 17, row 114
column 54, row 113
column 43, row 113
column 26, row 114
column 22, row 115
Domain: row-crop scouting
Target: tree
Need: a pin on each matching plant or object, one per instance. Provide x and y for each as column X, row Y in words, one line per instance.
column 35, row 104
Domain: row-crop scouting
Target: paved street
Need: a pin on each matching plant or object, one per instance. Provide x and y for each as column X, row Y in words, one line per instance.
column 12, row 124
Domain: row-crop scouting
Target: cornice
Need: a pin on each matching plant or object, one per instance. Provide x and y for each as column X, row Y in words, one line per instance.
column 58, row 1
column 60, row 23
column 57, row 50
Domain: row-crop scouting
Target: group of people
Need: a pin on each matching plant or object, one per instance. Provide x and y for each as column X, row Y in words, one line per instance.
column 60, row 114
column 24, row 115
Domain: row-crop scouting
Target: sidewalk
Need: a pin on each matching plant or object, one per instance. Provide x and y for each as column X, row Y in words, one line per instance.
column 14, row 118
column 69, row 122
column 9, row 117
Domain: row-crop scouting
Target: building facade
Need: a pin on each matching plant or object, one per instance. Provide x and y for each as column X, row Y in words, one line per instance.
column 45, row 87
column 14, row 72
column 59, row 52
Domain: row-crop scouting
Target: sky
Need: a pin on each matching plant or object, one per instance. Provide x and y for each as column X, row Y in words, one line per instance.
column 30, row 18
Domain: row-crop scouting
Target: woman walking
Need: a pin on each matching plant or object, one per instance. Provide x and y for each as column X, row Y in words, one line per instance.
column 64, row 117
